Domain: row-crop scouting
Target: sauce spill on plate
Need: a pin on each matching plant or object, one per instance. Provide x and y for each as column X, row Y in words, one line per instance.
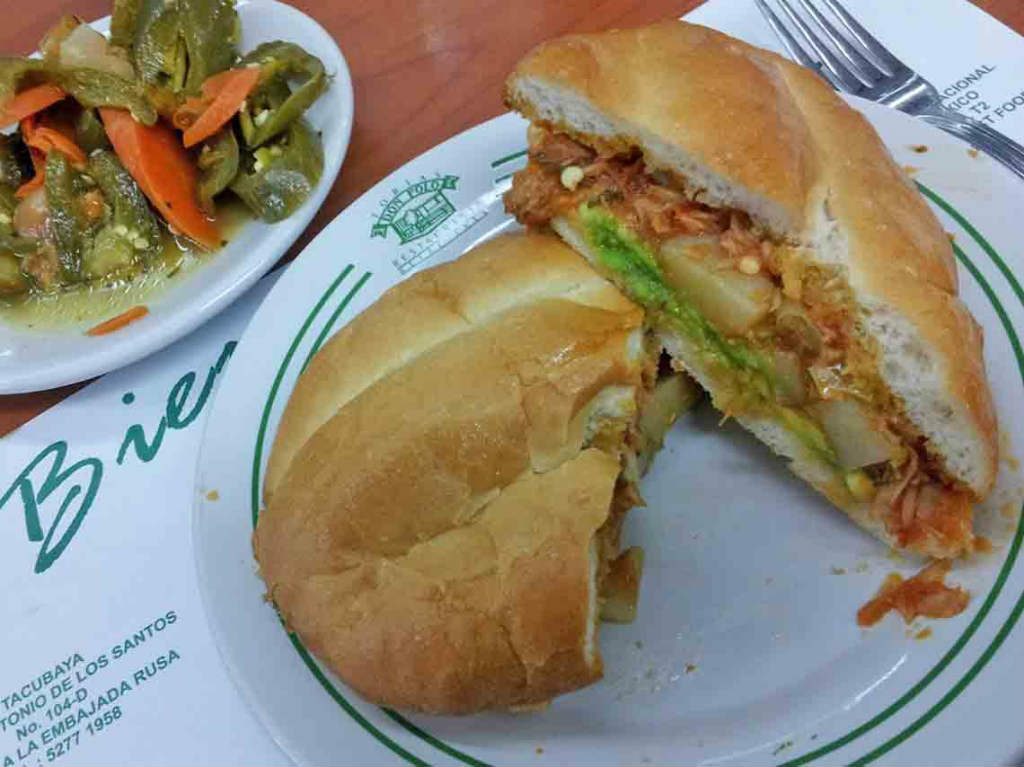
column 924, row 595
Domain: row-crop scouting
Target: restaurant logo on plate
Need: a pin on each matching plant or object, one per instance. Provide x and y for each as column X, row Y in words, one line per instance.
column 417, row 210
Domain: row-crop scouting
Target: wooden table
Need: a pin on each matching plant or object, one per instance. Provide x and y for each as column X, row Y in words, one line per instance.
column 423, row 70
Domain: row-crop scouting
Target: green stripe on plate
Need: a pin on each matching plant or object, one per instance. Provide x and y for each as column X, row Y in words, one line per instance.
column 508, row 158
column 261, row 433
column 348, row 707
column 440, row 745
column 978, row 238
column 326, row 331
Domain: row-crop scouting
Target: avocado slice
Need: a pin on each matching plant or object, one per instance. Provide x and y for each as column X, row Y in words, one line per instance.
column 749, row 371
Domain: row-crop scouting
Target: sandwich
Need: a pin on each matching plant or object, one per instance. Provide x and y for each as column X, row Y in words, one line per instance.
column 784, row 259
column 446, row 490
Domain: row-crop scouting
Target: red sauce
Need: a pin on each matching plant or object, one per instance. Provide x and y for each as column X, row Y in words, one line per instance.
column 923, row 595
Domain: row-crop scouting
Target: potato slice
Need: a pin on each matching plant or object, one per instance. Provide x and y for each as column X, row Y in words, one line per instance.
column 732, row 301
column 672, row 396
column 622, row 586
column 857, row 439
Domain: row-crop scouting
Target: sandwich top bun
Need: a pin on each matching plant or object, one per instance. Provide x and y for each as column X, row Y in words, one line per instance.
column 435, row 497
column 750, row 130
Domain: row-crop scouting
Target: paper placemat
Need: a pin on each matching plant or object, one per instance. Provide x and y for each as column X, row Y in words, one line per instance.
column 975, row 61
column 107, row 656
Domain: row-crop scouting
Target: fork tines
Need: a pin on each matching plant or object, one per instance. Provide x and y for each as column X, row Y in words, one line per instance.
column 850, row 58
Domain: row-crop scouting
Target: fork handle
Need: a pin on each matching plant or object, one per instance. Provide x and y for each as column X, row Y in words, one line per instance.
column 982, row 137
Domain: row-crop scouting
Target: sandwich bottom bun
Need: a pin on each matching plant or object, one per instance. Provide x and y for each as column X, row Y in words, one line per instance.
column 445, row 506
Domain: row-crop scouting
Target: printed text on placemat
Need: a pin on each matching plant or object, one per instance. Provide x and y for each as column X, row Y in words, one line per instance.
column 82, row 695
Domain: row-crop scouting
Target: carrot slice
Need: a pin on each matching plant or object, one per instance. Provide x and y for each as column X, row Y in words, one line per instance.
column 184, row 116
column 39, row 165
column 28, row 102
column 118, row 321
column 40, row 140
column 28, row 128
column 226, row 92
column 58, row 141
column 47, row 139
column 164, row 172
column 36, row 182
column 216, row 82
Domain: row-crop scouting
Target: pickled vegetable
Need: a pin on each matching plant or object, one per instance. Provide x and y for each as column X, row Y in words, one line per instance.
column 30, row 214
column 19, row 74
column 12, row 281
column 86, row 48
column 277, row 178
column 271, row 109
column 218, row 165
column 55, row 35
column 110, row 253
column 89, row 133
column 127, row 203
column 11, row 173
column 119, row 321
column 43, row 267
column 51, row 136
column 90, row 87
column 95, row 88
column 29, row 101
column 223, row 95
column 123, row 21
column 179, row 44
column 157, row 49
column 164, row 171
column 69, row 230
column 19, row 246
column 91, row 177
column 8, row 202
column 131, row 234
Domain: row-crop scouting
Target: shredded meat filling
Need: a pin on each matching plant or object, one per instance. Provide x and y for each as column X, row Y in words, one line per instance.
column 925, row 594
column 918, row 509
column 622, row 183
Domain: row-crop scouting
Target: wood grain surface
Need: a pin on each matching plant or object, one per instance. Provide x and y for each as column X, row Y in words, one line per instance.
column 423, row 70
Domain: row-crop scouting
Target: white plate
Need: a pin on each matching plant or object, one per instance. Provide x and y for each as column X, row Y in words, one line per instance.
column 31, row 360
column 746, row 648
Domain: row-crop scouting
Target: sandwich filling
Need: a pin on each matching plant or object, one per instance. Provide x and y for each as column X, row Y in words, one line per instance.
column 775, row 335
column 631, row 425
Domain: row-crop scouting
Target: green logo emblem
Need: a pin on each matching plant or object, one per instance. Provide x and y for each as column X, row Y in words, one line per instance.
column 417, row 210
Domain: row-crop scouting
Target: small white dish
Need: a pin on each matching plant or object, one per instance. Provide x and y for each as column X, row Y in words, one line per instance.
column 34, row 359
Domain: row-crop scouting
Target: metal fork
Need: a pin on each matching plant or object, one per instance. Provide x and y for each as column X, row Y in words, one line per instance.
column 854, row 62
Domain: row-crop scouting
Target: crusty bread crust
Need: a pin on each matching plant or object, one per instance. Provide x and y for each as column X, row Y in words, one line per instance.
column 749, row 129
column 431, row 532
column 430, row 309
